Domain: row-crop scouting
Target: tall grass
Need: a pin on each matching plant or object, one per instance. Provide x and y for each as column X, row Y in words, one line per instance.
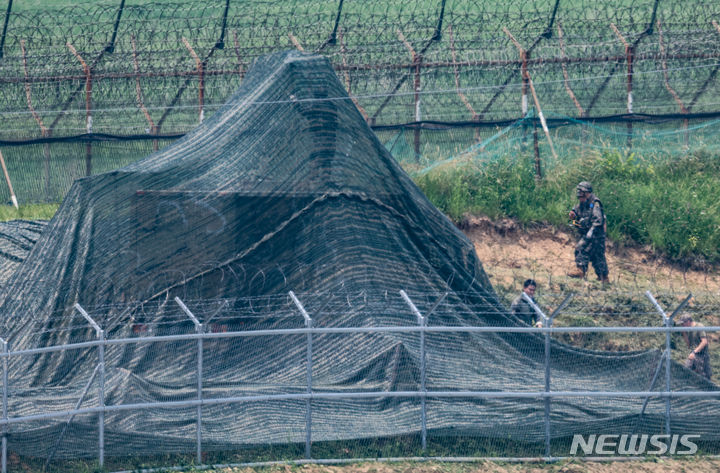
column 28, row 212
column 672, row 206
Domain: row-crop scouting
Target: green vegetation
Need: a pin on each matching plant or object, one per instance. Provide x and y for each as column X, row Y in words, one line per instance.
column 28, row 212
column 669, row 205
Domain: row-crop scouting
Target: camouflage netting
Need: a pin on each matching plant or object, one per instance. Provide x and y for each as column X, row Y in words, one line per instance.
column 286, row 188
column 17, row 238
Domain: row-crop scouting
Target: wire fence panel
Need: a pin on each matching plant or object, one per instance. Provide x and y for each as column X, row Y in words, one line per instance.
column 409, row 385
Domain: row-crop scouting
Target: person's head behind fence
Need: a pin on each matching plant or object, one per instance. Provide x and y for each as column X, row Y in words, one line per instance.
column 685, row 318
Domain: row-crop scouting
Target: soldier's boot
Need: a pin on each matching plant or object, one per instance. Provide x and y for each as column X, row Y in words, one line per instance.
column 577, row 272
column 605, row 280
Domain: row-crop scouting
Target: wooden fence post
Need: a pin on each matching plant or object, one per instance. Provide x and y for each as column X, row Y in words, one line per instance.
column 44, row 132
column 241, row 67
column 473, row 115
column 566, row 80
column 674, row 94
column 201, row 79
column 139, row 96
column 417, row 65
column 295, row 42
column 538, row 167
column 346, row 73
column 88, row 107
column 629, row 53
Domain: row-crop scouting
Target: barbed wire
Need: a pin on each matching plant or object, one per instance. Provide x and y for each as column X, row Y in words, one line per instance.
column 374, row 47
column 621, row 303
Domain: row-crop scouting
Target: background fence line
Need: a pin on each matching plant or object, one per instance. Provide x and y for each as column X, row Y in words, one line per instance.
column 153, row 71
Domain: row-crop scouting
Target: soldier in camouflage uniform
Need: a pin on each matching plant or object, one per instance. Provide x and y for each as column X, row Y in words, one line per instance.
column 589, row 218
column 699, row 358
column 522, row 308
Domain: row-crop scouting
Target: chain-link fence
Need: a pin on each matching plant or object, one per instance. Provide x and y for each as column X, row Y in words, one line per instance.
column 283, row 377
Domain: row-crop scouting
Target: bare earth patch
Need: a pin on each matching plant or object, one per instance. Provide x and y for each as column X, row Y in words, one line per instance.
column 510, row 254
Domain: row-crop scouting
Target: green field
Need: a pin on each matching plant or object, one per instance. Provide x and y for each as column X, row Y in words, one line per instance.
column 668, row 206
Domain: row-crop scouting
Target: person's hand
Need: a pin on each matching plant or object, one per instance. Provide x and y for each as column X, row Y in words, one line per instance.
column 691, row 356
column 538, row 324
column 572, row 215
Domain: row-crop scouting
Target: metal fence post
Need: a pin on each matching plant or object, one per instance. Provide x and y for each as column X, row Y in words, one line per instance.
column 422, row 321
column 101, row 388
column 547, row 323
column 198, row 330
column 308, row 404
column 546, row 416
column 101, row 398
column 663, row 357
column 423, row 412
column 70, row 419
column 668, row 322
column 4, row 403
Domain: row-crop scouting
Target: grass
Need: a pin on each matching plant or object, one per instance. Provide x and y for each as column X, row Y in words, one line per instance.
column 669, row 206
column 28, row 212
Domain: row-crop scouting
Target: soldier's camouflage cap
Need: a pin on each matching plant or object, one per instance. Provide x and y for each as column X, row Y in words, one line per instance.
column 584, row 186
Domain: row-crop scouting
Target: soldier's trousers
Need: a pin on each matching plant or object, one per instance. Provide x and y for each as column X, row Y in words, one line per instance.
column 592, row 251
column 701, row 364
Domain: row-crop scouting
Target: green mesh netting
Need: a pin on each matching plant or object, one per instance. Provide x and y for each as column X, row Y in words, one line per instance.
column 286, row 188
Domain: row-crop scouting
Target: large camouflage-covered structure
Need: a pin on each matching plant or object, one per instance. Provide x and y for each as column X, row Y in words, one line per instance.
column 286, row 189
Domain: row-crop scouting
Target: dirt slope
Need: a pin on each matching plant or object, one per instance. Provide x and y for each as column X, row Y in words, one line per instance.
column 511, row 254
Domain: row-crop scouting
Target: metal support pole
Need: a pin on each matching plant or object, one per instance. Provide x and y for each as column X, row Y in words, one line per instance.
column 72, row 417
column 13, row 197
column 417, row 68
column 536, row 149
column 201, row 79
column 88, row 107
column 198, row 330
column 630, row 55
column 546, row 416
column 525, row 76
column 663, row 356
column 422, row 321
column 418, row 114
column 4, row 403
column 308, row 411
column 101, row 391
column 668, row 322
column 101, row 398
column 547, row 322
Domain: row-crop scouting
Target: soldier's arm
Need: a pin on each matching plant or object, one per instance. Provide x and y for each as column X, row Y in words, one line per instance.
column 575, row 211
column 701, row 346
column 597, row 220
